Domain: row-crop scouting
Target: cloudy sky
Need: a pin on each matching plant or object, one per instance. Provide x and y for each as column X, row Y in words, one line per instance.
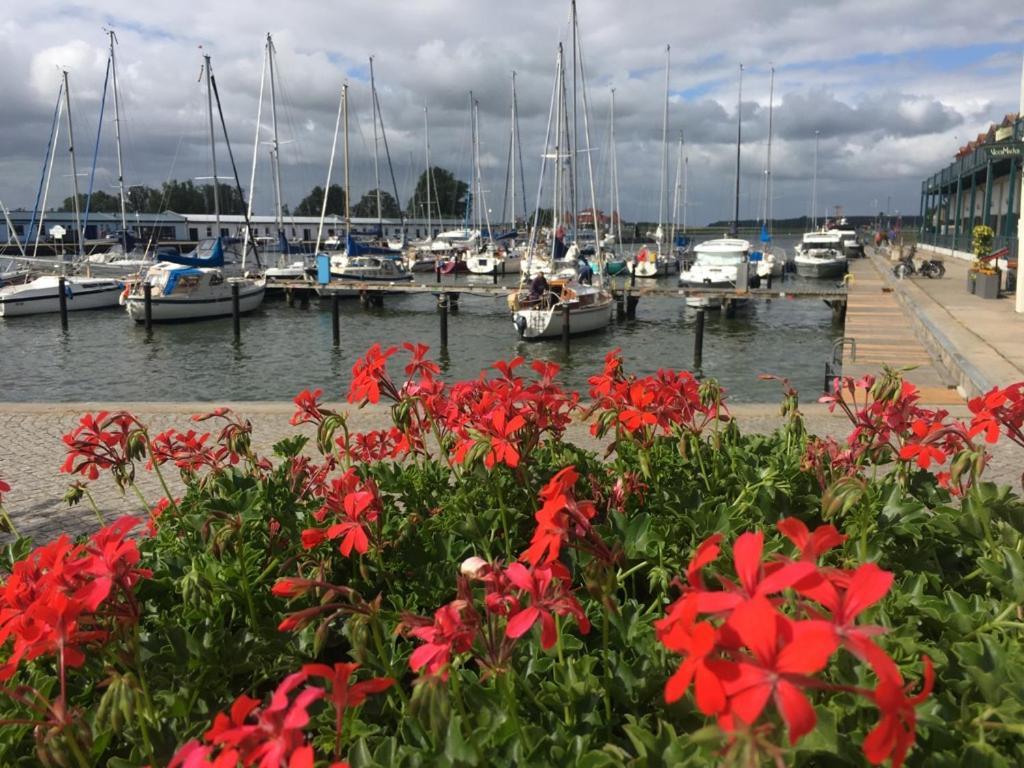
column 892, row 86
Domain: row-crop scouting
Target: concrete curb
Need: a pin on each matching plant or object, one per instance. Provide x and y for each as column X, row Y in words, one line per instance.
column 970, row 380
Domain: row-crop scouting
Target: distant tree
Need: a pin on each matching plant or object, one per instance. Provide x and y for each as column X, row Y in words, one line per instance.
column 102, row 202
column 186, row 197
column 367, row 206
column 447, row 195
column 312, row 203
column 142, row 199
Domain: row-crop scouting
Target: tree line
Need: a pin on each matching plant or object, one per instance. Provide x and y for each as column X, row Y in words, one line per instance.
column 449, row 198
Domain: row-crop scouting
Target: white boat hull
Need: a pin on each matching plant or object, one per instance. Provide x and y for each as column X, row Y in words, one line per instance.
column 485, row 264
column 653, row 269
column 547, row 323
column 167, row 309
column 809, row 267
column 41, row 296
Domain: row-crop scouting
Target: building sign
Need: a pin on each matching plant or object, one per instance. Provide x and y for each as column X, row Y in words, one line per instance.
column 1006, row 132
column 1010, row 149
column 58, row 232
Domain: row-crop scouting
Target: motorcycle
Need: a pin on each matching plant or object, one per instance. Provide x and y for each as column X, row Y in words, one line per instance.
column 930, row 268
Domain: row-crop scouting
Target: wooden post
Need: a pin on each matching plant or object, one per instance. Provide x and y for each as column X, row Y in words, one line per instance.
column 442, row 304
column 565, row 328
column 147, row 304
column 631, row 302
column 632, row 275
column 62, row 298
column 620, row 306
column 495, row 275
column 698, row 341
column 335, row 320
column 289, row 297
column 236, row 313
column 437, row 270
column 769, row 279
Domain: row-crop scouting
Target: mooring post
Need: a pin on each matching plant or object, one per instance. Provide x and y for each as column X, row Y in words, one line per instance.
column 236, row 312
column 336, row 319
column 698, row 341
column 63, row 299
column 304, row 299
column 437, row 270
column 730, row 308
column 620, row 306
column 631, row 302
column 769, row 280
column 442, row 304
column 147, row 305
column 565, row 328
column 289, row 296
column 632, row 275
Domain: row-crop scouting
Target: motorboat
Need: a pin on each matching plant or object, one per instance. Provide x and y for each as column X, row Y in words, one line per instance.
column 542, row 316
column 369, row 269
column 853, row 248
column 717, row 264
column 821, row 254
column 182, row 292
column 42, row 295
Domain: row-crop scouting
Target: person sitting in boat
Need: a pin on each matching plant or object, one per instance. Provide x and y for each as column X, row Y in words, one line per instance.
column 538, row 287
column 586, row 272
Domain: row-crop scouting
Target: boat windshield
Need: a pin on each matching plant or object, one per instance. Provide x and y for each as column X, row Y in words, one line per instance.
column 719, row 259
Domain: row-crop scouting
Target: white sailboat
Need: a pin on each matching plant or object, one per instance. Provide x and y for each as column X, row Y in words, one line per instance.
column 42, row 295
column 769, row 260
column 194, row 286
column 819, row 253
column 541, row 313
column 661, row 261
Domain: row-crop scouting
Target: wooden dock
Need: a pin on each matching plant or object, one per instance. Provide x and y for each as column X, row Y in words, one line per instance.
column 882, row 334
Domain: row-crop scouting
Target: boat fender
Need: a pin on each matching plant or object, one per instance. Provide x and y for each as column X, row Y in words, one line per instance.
column 521, row 325
column 513, row 301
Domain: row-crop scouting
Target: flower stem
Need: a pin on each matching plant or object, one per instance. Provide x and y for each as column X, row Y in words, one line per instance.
column 96, row 509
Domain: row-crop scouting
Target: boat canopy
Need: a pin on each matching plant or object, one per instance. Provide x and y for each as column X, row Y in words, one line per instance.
column 209, row 253
column 174, row 275
column 354, row 248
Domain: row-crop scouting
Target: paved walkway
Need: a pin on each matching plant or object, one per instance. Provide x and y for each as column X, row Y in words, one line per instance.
column 987, row 333
column 31, row 452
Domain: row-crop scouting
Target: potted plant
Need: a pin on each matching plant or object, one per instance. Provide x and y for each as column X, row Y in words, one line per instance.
column 983, row 277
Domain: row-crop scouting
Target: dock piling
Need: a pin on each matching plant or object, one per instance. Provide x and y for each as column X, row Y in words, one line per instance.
column 336, row 320
column 565, row 328
column 495, row 273
column 147, row 305
column 236, row 312
column 63, row 299
column 698, row 341
column 631, row 302
column 442, row 304
column 620, row 306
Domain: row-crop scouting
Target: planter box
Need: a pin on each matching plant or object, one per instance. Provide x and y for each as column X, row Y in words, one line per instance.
column 985, row 286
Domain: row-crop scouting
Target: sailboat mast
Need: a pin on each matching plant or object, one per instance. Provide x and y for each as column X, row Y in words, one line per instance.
column 768, row 166
column 512, row 150
column 376, row 158
column 614, row 203
column 74, row 167
column 814, row 186
column 675, row 195
column 51, row 156
column 213, row 144
column 426, row 152
column 484, row 212
column 686, row 168
column 117, row 132
column 279, row 213
column 348, row 207
column 664, row 154
column 575, row 142
column 739, row 139
column 330, row 168
column 556, row 215
column 255, row 153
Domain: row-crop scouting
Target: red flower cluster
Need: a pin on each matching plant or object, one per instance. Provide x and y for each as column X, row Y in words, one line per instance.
column 355, row 504
column 376, row 445
column 742, row 651
column 267, row 737
column 63, row 596
column 646, row 406
column 189, row 452
column 105, row 441
column 999, row 408
column 514, row 598
column 559, row 515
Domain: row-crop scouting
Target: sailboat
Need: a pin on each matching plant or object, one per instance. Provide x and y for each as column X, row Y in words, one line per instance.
column 541, row 309
column 820, row 253
column 660, row 262
column 614, row 263
column 768, row 261
column 680, row 242
column 195, row 285
column 722, row 262
column 42, row 295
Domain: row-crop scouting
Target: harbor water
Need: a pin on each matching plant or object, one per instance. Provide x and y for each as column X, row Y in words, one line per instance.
column 104, row 356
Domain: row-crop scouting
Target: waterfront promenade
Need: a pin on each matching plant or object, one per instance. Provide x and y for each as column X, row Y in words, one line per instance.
column 33, row 452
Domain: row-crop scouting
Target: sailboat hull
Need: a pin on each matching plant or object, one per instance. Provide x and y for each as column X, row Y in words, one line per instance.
column 41, row 296
column 169, row 310
column 534, row 324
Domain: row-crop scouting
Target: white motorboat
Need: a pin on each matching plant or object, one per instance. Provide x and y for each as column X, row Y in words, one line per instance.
column 42, row 295
column 491, row 260
column 377, row 270
column 852, row 246
column 821, row 254
column 542, row 317
column 182, row 292
column 716, row 265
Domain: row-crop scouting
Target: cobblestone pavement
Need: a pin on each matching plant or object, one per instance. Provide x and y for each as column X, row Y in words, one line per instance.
column 31, row 453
